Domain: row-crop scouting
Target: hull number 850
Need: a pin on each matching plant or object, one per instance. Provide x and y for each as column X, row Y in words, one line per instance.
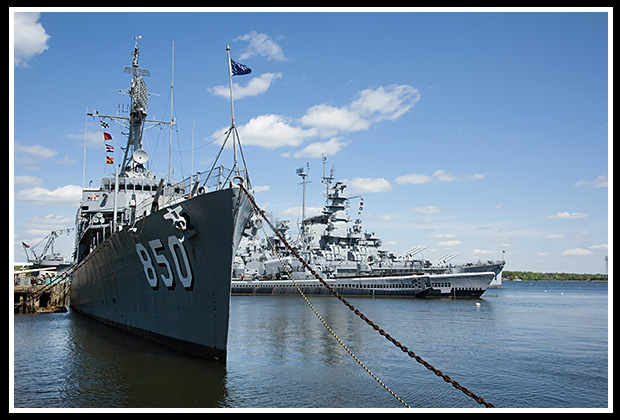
column 160, row 266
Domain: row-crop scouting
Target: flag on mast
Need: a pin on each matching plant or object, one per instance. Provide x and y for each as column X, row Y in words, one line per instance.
column 238, row 69
column 109, row 160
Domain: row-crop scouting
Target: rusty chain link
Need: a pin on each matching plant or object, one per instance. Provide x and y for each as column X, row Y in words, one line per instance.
column 411, row 354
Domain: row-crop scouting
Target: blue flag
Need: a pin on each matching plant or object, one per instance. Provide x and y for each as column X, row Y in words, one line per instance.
column 239, row 69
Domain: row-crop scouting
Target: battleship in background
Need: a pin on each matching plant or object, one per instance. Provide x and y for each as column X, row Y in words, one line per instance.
column 350, row 259
column 153, row 256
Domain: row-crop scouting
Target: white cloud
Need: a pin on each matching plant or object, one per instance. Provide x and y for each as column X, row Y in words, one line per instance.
column 476, row 177
column 329, row 120
column 438, row 176
column 567, row 215
column 386, row 103
column 28, row 180
column 256, row 86
column 413, row 179
column 368, row 185
column 443, row 176
column 555, row 236
column 427, row 210
column 372, row 105
column 318, row 149
column 261, row 44
column 274, row 131
column 68, row 195
column 577, row 251
column 30, row 37
column 261, row 188
column 269, row 131
column 484, row 251
column 36, row 150
column 599, row 182
column 39, row 227
column 450, row 243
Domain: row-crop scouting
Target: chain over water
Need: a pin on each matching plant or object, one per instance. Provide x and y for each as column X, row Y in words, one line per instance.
column 411, row 354
column 344, row 346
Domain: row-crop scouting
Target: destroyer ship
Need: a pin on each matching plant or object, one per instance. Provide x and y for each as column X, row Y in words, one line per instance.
column 352, row 260
column 154, row 256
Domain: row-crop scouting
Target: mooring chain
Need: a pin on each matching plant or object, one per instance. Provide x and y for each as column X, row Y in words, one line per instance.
column 344, row 346
column 411, row 354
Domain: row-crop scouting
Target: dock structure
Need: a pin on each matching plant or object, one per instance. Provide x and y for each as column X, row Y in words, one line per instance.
column 47, row 292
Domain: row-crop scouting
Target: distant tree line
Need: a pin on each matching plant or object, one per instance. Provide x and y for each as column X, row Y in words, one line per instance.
column 531, row 276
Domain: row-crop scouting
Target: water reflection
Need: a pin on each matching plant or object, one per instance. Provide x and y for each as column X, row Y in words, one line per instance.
column 105, row 367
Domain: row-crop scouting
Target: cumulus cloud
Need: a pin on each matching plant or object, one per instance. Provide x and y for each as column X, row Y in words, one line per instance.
column 256, row 86
column 329, row 120
column 555, row 236
column 39, row 227
column 36, row 150
column 599, row 182
column 413, row 179
column 386, row 103
column 27, row 180
column 577, row 251
column 30, row 37
column 443, row 236
column 368, row 185
column 371, row 106
column 262, row 45
column 427, row 210
column 567, row 215
column 438, row 176
column 68, row 195
column 261, row 188
column 484, row 251
column 275, row 131
column 269, row 131
column 318, row 149
column 450, row 243
column 34, row 154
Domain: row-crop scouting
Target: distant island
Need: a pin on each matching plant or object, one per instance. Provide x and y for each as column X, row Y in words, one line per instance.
column 531, row 276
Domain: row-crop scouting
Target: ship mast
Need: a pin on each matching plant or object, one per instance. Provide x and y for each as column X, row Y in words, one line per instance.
column 139, row 95
column 139, row 105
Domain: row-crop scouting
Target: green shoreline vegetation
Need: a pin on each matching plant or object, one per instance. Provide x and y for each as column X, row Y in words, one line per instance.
column 531, row 276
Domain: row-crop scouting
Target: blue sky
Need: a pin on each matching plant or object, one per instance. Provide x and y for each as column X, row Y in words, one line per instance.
column 466, row 132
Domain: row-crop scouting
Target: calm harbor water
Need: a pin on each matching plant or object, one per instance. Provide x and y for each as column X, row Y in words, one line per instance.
column 528, row 345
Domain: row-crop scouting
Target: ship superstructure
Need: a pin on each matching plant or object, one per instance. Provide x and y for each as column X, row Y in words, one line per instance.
column 340, row 249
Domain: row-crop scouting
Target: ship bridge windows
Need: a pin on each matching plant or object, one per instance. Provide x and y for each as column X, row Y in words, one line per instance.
column 129, row 184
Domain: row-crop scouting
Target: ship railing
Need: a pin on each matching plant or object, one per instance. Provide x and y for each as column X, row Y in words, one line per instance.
column 216, row 179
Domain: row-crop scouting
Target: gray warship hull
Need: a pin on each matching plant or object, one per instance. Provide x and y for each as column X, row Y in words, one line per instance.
column 165, row 283
column 419, row 286
column 460, row 285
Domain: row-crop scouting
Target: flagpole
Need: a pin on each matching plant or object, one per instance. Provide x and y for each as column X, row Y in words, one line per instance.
column 232, row 111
